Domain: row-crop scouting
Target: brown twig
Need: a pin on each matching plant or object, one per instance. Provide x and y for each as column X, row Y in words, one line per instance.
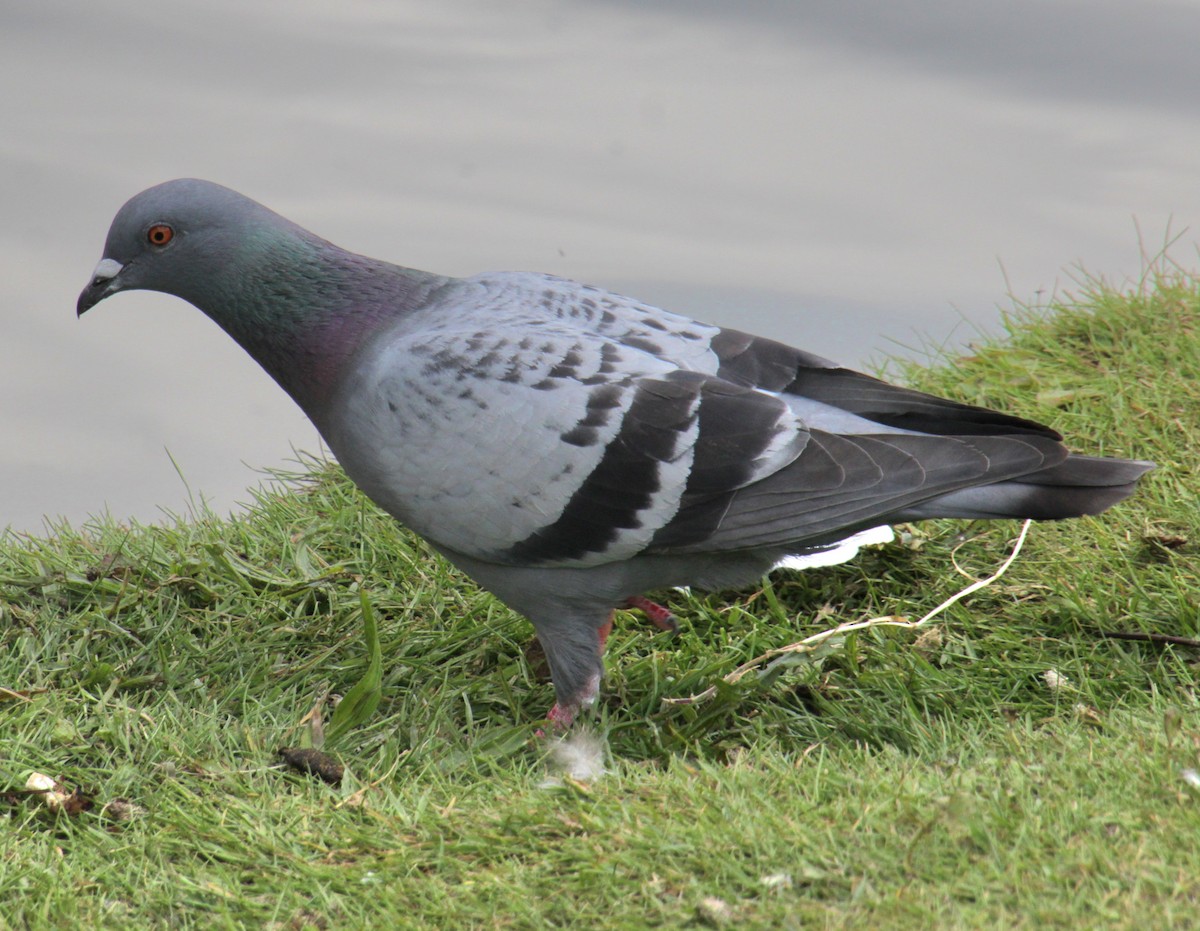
column 811, row 644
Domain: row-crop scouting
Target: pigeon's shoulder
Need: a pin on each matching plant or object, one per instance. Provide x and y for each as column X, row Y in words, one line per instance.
column 594, row 313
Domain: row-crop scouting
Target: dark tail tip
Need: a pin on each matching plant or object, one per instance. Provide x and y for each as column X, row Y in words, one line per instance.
column 1076, row 486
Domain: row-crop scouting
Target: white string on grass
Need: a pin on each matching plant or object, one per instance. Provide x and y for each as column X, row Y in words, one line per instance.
column 810, row 644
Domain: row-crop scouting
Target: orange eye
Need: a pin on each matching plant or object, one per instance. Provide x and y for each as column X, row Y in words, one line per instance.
column 159, row 234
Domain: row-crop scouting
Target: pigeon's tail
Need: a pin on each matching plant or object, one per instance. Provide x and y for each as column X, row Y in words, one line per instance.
column 1076, row 486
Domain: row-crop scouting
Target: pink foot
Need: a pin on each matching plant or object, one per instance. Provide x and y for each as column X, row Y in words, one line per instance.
column 560, row 719
column 659, row 616
column 560, row 716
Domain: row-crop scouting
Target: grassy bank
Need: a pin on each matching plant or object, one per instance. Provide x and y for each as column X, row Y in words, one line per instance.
column 1013, row 765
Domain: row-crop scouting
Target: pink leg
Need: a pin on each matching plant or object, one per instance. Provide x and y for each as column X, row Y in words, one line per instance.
column 561, row 716
column 659, row 616
column 603, row 631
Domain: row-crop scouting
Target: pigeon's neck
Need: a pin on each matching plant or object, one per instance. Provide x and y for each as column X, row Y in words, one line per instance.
column 305, row 308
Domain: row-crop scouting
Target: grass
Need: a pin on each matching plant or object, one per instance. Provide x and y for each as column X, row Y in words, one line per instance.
column 938, row 778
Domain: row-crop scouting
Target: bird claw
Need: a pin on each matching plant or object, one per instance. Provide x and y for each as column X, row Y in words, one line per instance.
column 561, row 716
column 655, row 613
column 560, row 719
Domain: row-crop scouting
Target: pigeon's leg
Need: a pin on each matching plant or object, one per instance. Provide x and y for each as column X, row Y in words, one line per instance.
column 574, row 651
column 565, row 710
column 659, row 616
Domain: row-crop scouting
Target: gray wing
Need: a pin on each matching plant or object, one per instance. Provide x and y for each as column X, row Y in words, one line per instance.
column 535, row 421
column 489, row 420
column 780, row 448
column 707, row 464
column 874, row 451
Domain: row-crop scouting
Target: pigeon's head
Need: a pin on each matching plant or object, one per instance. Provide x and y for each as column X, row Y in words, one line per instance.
column 182, row 237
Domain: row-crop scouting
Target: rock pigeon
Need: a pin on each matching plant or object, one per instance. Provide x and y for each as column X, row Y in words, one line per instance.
column 571, row 449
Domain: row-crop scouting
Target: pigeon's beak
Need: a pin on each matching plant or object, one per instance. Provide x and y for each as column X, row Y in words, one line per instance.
column 103, row 284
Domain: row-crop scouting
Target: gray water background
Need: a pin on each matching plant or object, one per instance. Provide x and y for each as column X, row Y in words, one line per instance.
column 860, row 179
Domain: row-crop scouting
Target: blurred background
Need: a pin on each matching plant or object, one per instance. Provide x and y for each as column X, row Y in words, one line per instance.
column 860, row 179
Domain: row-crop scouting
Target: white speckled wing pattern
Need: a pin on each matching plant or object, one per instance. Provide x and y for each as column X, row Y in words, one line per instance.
column 526, row 419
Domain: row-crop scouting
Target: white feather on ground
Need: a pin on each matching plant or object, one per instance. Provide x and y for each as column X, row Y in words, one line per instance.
column 578, row 756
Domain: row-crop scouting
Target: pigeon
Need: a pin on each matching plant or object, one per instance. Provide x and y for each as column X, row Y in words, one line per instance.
column 571, row 449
